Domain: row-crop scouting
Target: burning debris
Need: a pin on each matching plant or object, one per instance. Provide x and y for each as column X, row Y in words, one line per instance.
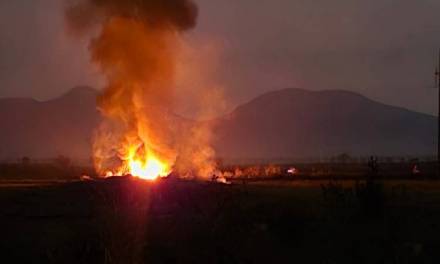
column 292, row 171
column 136, row 49
column 85, row 178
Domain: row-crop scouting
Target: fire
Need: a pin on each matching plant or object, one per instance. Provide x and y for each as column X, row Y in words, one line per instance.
column 144, row 164
column 137, row 47
column 137, row 164
column 151, row 169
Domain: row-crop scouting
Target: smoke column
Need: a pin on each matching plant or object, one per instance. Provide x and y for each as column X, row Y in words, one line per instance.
column 136, row 49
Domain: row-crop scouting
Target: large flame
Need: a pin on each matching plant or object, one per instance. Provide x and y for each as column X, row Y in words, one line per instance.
column 139, row 164
column 136, row 46
column 137, row 130
column 147, row 167
column 149, row 170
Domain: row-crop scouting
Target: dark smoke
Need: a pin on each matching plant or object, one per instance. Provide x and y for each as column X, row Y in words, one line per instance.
column 176, row 14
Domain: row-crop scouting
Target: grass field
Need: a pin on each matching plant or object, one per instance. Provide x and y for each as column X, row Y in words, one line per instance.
column 170, row 221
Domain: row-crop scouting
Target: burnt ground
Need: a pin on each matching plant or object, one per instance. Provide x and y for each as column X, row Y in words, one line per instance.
column 170, row 221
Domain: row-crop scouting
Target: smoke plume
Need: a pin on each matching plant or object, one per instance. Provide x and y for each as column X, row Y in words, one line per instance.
column 172, row 14
column 136, row 49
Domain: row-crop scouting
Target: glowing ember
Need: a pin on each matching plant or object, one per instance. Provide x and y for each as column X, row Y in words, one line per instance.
column 292, row 171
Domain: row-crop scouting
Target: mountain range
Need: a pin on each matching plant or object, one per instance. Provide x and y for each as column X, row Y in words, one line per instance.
column 289, row 123
column 295, row 123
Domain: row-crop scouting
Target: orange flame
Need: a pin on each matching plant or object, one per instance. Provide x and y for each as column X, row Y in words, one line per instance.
column 147, row 167
column 139, row 134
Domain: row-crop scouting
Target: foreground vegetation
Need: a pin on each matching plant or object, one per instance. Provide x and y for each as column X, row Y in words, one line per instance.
column 62, row 168
column 126, row 220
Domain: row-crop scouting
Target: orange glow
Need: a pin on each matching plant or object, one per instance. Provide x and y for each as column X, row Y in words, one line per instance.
column 148, row 170
column 139, row 134
column 147, row 167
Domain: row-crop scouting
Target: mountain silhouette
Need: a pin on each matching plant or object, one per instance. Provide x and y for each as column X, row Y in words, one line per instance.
column 290, row 123
column 40, row 130
column 295, row 123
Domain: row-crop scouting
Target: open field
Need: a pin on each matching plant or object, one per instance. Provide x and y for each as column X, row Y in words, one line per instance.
column 57, row 171
column 170, row 221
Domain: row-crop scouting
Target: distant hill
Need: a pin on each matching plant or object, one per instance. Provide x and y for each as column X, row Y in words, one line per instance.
column 62, row 126
column 295, row 123
column 290, row 123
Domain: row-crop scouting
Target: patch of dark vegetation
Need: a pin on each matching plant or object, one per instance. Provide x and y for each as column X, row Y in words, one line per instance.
column 172, row 221
column 60, row 168
column 371, row 198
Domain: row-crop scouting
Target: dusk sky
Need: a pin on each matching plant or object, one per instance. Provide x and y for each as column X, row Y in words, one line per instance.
column 383, row 49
